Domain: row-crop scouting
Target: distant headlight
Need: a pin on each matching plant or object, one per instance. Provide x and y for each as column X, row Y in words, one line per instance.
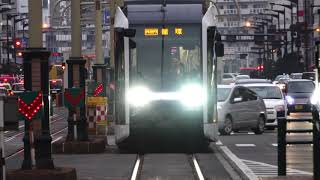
column 290, row 100
column 192, row 95
column 315, row 97
column 139, row 96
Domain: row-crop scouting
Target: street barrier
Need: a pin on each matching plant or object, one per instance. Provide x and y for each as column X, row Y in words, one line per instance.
column 8, row 122
column 283, row 142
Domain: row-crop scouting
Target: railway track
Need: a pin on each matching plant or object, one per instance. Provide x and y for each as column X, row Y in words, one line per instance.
column 20, row 150
column 175, row 166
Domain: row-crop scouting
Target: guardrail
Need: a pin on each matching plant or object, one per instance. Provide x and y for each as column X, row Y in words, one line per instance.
column 283, row 142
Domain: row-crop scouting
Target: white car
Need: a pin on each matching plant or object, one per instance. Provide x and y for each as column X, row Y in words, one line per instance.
column 228, row 78
column 273, row 99
column 239, row 108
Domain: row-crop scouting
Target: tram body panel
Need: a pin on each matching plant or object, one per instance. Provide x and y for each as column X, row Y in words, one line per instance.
column 165, row 115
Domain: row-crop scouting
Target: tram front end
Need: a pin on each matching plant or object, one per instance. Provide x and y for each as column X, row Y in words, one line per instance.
column 165, row 77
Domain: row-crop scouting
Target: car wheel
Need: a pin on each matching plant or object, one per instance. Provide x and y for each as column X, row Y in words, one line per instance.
column 227, row 127
column 260, row 126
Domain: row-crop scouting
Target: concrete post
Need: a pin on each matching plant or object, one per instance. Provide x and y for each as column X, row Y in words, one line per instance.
column 76, row 73
column 36, row 73
column 100, row 68
column 98, row 29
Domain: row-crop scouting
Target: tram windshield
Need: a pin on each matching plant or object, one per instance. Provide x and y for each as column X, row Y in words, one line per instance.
column 164, row 58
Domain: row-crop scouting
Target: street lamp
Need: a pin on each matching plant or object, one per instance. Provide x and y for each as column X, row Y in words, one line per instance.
column 289, row 6
column 248, row 24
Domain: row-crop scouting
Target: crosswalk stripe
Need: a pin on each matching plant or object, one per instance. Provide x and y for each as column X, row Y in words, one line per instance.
column 245, row 145
column 266, row 170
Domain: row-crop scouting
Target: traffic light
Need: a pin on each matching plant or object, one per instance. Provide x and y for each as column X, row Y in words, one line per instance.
column 63, row 65
column 17, row 43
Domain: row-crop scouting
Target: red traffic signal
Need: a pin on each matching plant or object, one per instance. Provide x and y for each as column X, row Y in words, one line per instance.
column 18, row 43
column 260, row 68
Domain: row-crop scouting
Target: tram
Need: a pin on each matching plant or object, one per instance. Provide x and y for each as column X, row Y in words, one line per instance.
column 165, row 72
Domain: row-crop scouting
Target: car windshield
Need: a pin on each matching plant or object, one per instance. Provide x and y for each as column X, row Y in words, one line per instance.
column 300, row 87
column 223, row 94
column 243, row 77
column 281, row 76
column 18, row 87
column 296, row 76
column 283, row 80
column 310, row 76
column 3, row 92
column 267, row 92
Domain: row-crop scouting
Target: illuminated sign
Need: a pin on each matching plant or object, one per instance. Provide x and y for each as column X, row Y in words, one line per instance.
column 178, row 31
column 151, row 32
column 165, row 32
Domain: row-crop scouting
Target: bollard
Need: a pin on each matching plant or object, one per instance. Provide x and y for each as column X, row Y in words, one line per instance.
column 282, row 128
column 316, row 145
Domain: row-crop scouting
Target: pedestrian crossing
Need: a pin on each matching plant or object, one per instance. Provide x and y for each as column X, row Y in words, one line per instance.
column 267, row 170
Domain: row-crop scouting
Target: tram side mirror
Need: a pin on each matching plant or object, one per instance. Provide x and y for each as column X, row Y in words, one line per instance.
column 126, row 32
column 219, row 48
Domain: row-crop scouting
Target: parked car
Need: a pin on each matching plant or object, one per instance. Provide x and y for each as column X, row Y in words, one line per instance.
column 3, row 91
column 252, row 81
column 309, row 75
column 18, row 88
column 298, row 93
column 239, row 108
column 273, row 99
column 8, row 87
column 242, row 76
column 280, row 76
column 296, row 75
column 228, row 78
column 282, row 82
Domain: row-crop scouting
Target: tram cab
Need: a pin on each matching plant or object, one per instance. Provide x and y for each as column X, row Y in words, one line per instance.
column 165, row 74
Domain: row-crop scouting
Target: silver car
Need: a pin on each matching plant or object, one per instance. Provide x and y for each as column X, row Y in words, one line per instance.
column 239, row 108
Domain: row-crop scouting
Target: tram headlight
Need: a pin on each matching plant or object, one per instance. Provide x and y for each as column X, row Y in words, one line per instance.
column 139, row 96
column 192, row 95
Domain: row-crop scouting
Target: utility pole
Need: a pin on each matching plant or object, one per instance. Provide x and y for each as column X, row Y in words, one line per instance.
column 308, row 34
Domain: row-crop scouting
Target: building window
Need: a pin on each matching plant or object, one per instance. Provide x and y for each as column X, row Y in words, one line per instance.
column 45, row 4
column 244, row 6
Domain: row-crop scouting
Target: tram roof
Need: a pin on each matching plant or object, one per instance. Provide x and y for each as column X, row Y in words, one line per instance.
column 174, row 13
column 133, row 2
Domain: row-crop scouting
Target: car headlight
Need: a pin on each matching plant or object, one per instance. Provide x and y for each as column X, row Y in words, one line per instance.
column 315, row 97
column 290, row 100
column 139, row 96
column 192, row 95
column 279, row 108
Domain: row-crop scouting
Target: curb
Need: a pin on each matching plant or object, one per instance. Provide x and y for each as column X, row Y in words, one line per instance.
column 244, row 172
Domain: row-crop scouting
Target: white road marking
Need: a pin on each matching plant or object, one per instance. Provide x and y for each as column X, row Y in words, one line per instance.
column 247, row 171
column 57, row 139
column 250, row 133
column 196, row 165
column 135, row 169
column 219, row 143
column 276, row 145
column 267, row 170
column 245, row 145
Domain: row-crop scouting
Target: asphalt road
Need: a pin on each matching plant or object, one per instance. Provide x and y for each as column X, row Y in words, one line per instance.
column 259, row 152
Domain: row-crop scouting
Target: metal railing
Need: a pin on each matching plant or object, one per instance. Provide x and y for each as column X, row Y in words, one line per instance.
column 283, row 142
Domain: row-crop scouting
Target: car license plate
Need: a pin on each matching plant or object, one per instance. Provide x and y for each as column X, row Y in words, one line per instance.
column 298, row 107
